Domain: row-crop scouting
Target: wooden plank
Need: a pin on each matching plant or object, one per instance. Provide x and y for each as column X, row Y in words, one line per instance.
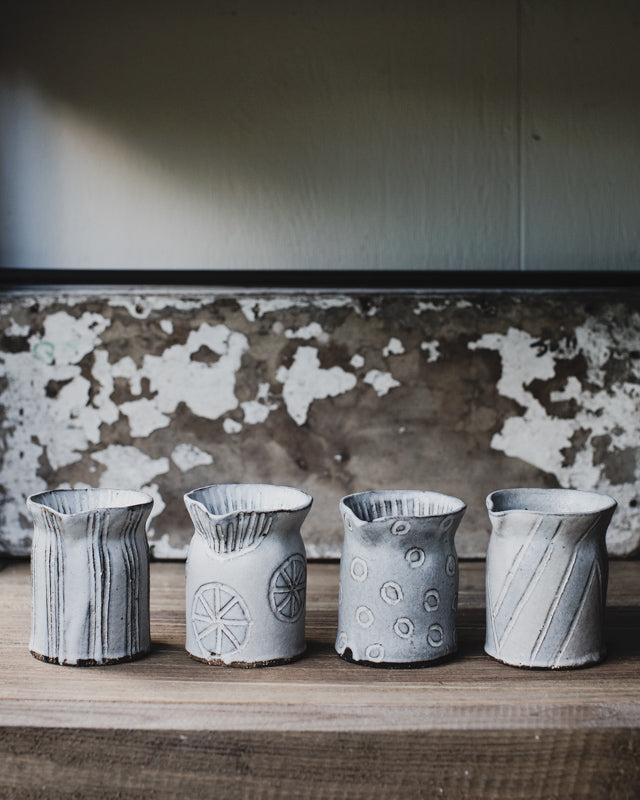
column 124, row 763
column 168, row 725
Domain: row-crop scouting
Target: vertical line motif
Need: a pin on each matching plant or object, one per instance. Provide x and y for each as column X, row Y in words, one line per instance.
column 129, row 564
column 105, row 582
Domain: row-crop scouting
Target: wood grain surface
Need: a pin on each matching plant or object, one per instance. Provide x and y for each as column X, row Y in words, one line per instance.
column 167, row 726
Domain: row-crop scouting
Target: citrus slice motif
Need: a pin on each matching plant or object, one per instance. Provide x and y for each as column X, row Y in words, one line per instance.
column 288, row 588
column 220, row 620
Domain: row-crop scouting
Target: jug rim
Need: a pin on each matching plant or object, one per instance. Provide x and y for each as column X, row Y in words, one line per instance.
column 304, row 499
column 550, row 502
column 103, row 499
column 454, row 504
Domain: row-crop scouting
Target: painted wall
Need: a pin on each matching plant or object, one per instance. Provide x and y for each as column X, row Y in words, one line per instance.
column 299, row 135
column 332, row 393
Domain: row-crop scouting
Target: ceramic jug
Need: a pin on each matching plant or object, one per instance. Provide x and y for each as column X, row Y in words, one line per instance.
column 89, row 576
column 398, row 577
column 546, row 576
column 246, row 574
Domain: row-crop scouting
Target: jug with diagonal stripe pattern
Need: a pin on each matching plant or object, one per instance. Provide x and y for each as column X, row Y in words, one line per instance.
column 546, row 577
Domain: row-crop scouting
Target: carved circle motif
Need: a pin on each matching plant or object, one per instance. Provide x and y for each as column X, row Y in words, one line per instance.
column 391, row 593
column 287, row 589
column 359, row 569
column 400, row 527
column 374, row 652
column 435, row 635
column 431, row 600
column 364, row 617
column 341, row 642
column 220, row 620
column 403, row 627
column 415, row 557
column 450, row 566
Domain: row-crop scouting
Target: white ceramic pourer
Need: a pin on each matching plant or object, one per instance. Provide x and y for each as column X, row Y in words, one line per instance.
column 546, row 578
column 89, row 576
column 398, row 577
column 246, row 574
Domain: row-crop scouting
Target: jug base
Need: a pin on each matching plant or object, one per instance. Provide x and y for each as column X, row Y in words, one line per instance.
column 273, row 662
column 89, row 662
column 429, row 662
column 589, row 662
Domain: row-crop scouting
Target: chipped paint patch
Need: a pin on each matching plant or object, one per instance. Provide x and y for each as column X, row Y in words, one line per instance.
column 144, row 417
column 430, row 305
column 128, row 466
column 187, row 456
column 142, row 306
column 432, row 349
column 256, row 411
column 208, row 389
column 357, row 361
column 161, row 548
column 393, row 348
column 256, row 307
column 231, row 426
column 311, row 331
column 17, row 330
column 305, row 381
column 382, row 382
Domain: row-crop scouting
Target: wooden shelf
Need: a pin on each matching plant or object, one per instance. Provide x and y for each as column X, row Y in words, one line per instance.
column 169, row 726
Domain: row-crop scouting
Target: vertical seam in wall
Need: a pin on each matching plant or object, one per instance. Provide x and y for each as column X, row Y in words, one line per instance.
column 519, row 136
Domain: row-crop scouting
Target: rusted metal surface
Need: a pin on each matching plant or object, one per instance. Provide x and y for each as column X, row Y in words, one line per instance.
column 168, row 390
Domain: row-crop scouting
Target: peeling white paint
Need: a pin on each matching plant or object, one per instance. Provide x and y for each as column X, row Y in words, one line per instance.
column 187, row 456
column 167, row 326
column 311, row 331
column 382, row 382
column 256, row 307
column 127, row 467
column 429, row 305
column 305, row 381
column 66, row 339
column 144, row 417
column 539, row 437
column 256, row 411
column 432, row 348
column 17, row 330
column 158, row 506
column 393, row 348
column 357, row 361
column 58, row 422
column 161, row 548
column 140, row 307
column 231, row 426
column 126, row 368
column 208, row 389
